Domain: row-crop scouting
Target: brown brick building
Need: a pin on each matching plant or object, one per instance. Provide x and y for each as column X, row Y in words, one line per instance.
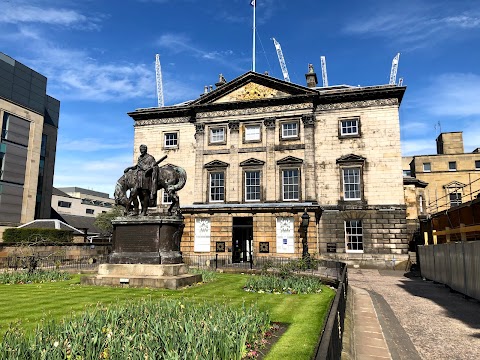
column 260, row 153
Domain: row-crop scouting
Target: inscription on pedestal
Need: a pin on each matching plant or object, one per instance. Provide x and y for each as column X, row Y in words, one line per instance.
column 136, row 238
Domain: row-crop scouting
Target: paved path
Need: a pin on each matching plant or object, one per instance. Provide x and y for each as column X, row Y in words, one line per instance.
column 418, row 319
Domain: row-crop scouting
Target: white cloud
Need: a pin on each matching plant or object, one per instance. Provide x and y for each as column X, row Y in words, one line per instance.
column 91, row 145
column 414, row 23
column 100, row 174
column 179, row 43
column 424, row 146
column 455, row 95
column 24, row 13
column 413, row 127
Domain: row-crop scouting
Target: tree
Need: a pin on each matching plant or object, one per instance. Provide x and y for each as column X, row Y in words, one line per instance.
column 103, row 221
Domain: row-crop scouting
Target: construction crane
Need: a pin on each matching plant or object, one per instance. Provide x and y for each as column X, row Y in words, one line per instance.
column 393, row 72
column 158, row 72
column 324, row 71
column 281, row 60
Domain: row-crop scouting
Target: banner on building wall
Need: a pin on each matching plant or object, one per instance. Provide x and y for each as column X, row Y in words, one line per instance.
column 285, row 237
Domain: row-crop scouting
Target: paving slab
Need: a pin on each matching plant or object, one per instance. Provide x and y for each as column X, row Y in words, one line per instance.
column 418, row 319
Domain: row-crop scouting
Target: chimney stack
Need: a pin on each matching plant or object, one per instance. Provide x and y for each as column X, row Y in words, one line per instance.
column 221, row 81
column 311, row 77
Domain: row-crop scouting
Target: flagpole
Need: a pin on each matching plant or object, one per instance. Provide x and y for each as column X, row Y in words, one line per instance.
column 253, row 52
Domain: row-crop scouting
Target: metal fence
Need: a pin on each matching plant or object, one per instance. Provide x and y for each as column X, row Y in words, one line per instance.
column 52, row 262
column 325, row 268
column 456, row 265
column 330, row 344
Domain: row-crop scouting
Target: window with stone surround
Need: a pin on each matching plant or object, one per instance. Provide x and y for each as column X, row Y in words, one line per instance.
column 427, row 167
column 252, row 185
column 217, row 186
column 170, row 140
column 352, row 183
column 452, row 166
column 354, row 236
column 289, row 130
column 291, row 184
column 455, row 198
column 477, row 164
column 349, row 127
column 252, row 133
column 217, row 135
column 351, row 177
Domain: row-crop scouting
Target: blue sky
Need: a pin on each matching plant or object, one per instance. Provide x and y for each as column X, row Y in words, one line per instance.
column 99, row 57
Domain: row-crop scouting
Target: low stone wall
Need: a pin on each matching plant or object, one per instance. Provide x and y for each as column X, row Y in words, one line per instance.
column 57, row 250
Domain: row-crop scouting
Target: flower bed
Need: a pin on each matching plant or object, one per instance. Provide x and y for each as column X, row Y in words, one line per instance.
column 38, row 276
column 147, row 329
column 291, row 284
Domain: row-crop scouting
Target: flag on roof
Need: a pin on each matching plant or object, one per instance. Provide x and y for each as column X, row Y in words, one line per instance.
column 252, row 2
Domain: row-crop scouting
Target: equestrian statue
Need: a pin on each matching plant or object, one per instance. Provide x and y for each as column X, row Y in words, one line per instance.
column 144, row 179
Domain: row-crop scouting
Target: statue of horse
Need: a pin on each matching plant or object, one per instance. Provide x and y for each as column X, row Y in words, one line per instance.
column 170, row 178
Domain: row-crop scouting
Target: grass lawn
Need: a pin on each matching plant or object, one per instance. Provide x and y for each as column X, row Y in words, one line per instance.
column 304, row 314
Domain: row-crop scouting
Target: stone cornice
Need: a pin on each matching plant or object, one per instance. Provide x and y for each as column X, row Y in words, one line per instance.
column 173, row 120
column 255, row 110
column 357, row 104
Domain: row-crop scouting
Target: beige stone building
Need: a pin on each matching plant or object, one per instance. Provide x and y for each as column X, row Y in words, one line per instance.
column 453, row 176
column 28, row 144
column 267, row 159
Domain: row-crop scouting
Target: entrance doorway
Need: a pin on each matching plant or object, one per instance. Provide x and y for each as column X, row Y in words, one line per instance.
column 242, row 238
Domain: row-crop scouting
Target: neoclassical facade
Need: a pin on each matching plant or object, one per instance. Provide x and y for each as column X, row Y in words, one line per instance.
column 273, row 166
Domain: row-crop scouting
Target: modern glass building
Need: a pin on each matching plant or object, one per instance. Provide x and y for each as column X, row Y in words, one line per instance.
column 29, row 119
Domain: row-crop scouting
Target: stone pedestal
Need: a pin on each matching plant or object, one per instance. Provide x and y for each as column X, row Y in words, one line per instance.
column 143, row 275
column 146, row 253
column 147, row 240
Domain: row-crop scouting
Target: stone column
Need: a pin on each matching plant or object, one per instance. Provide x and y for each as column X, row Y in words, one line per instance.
column 234, row 180
column 199, row 186
column 309, row 162
column 271, row 174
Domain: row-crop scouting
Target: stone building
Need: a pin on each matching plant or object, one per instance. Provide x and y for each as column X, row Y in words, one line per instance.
column 273, row 166
column 453, row 176
column 28, row 144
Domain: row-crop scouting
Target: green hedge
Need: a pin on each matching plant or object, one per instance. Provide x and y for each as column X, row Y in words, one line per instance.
column 35, row 236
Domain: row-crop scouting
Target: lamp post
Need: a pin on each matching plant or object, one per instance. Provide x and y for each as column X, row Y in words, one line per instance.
column 304, row 225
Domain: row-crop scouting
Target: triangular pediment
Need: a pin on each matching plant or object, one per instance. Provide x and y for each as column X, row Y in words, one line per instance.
column 252, row 162
column 454, row 185
column 250, row 87
column 215, row 164
column 351, row 158
column 289, row 160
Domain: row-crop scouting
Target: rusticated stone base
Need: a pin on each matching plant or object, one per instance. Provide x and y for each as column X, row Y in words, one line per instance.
column 143, row 275
column 147, row 240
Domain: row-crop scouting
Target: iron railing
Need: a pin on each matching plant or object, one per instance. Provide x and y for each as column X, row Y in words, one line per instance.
column 52, row 262
column 325, row 268
column 330, row 344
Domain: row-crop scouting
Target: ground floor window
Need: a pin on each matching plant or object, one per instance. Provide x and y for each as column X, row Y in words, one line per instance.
column 285, row 235
column 354, row 235
column 202, row 235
